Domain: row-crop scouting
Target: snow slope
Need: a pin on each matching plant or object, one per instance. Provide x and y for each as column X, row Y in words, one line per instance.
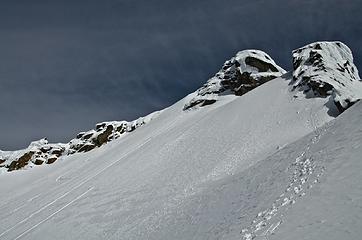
column 274, row 163
column 162, row 181
column 333, row 208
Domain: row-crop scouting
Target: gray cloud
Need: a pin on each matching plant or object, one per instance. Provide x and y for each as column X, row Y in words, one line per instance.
column 65, row 65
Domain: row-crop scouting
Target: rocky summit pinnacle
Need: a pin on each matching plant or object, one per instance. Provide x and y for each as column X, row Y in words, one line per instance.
column 327, row 68
column 242, row 73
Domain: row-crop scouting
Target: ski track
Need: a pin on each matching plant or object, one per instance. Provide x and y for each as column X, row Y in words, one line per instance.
column 72, row 189
column 255, row 227
column 21, row 206
column 60, row 178
column 154, row 135
column 18, row 208
column 53, row 214
column 303, row 171
column 33, row 198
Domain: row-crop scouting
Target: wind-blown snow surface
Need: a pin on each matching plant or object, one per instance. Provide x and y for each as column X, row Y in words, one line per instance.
column 199, row 174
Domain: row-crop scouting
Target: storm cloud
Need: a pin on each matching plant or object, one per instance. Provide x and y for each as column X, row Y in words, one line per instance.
column 66, row 65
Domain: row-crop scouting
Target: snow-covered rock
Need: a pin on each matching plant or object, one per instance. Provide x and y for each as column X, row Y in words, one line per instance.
column 327, row 68
column 39, row 152
column 36, row 153
column 242, row 73
column 105, row 132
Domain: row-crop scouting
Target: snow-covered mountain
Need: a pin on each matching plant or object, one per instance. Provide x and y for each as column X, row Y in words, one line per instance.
column 255, row 153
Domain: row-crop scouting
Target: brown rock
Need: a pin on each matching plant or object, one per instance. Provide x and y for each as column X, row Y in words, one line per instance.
column 57, row 152
column 87, row 148
column 38, row 161
column 121, row 129
column 21, row 162
column 103, row 137
column 51, row 160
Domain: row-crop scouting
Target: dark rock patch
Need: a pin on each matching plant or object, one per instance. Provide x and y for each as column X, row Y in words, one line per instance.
column 201, row 103
column 100, row 126
column 260, row 65
column 326, row 68
column 38, row 161
column 87, row 148
column 242, row 73
column 103, row 137
column 87, row 136
column 51, row 160
column 57, row 152
column 21, row 162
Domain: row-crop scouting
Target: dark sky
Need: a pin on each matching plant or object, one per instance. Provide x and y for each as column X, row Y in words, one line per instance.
column 66, row 65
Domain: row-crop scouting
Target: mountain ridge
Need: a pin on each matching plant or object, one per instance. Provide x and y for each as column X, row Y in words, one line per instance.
column 239, row 75
column 265, row 165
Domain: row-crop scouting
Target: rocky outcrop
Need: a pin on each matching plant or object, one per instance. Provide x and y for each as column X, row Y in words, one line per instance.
column 37, row 153
column 51, row 160
column 39, row 161
column 326, row 68
column 242, row 73
column 21, row 161
column 104, row 136
column 40, row 152
column 105, row 132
